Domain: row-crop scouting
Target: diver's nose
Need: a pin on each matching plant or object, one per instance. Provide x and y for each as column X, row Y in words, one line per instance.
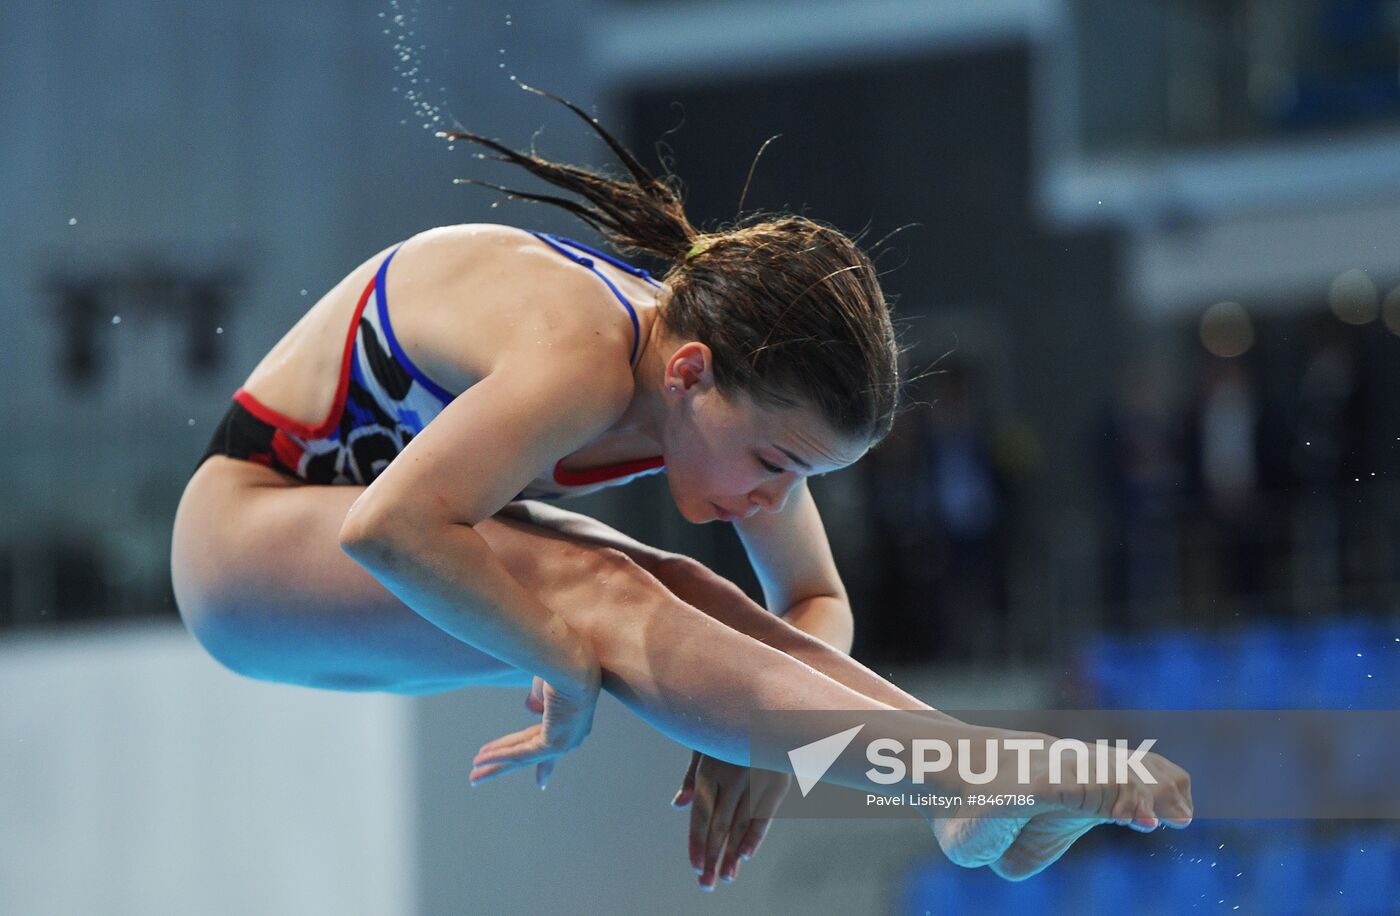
column 771, row 498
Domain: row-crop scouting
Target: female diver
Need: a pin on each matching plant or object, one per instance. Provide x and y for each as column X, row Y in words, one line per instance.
column 369, row 514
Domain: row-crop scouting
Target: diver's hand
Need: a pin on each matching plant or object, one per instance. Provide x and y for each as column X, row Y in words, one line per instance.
column 729, row 815
column 566, row 719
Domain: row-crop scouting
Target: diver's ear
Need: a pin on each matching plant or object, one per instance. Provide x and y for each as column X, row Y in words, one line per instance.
column 689, row 366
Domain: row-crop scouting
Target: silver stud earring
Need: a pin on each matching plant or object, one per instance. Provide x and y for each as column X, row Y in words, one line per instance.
column 674, row 388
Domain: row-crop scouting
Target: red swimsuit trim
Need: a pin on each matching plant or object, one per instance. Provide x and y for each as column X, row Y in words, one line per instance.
column 611, row 472
column 301, row 430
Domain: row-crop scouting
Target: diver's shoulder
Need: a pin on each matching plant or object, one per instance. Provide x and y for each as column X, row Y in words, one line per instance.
column 493, row 289
column 463, row 252
column 471, row 235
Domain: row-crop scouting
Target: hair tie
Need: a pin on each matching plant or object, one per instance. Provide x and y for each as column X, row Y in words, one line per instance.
column 697, row 248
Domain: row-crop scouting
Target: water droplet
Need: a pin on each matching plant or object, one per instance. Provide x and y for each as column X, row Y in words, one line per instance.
column 303, row 292
column 191, row 423
column 116, row 319
column 72, row 221
column 218, row 330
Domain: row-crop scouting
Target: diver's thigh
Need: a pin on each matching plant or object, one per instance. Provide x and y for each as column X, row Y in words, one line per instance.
column 263, row 585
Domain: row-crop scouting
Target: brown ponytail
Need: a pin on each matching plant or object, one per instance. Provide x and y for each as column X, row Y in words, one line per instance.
column 790, row 307
column 645, row 214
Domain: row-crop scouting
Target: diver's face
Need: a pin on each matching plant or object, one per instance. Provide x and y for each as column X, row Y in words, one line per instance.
column 729, row 458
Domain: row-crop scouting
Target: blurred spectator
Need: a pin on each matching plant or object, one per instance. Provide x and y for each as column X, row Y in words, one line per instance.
column 1325, row 445
column 964, row 494
column 1222, row 530
column 902, row 614
column 1140, row 465
column 939, row 501
column 1328, row 412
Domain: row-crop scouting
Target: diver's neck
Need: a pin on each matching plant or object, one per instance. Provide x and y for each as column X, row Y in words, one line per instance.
column 647, row 413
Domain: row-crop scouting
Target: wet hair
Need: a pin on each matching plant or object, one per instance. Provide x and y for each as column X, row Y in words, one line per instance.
column 791, row 308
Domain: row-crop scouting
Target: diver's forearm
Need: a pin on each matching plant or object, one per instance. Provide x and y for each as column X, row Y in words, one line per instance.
column 449, row 576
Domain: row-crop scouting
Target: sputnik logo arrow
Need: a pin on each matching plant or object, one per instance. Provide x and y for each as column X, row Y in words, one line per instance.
column 811, row 761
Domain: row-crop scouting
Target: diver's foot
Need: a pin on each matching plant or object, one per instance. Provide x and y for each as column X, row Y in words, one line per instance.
column 976, row 841
column 1039, row 843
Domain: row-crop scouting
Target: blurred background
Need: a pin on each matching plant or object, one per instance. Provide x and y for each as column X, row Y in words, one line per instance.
column 1148, row 272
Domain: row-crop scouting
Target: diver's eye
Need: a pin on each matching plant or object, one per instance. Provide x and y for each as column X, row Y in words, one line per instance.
column 770, row 468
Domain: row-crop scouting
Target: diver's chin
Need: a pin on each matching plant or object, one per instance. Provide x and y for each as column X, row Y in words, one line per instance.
column 709, row 513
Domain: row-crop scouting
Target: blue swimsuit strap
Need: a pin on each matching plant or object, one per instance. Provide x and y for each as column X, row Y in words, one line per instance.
column 382, row 304
column 623, row 265
column 557, row 242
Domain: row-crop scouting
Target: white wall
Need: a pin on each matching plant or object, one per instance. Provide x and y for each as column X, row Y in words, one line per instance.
column 139, row 777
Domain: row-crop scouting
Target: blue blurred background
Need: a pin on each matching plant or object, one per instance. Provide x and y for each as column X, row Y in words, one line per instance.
column 1150, row 250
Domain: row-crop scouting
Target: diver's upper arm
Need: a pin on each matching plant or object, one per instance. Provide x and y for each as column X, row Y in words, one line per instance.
column 493, row 439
